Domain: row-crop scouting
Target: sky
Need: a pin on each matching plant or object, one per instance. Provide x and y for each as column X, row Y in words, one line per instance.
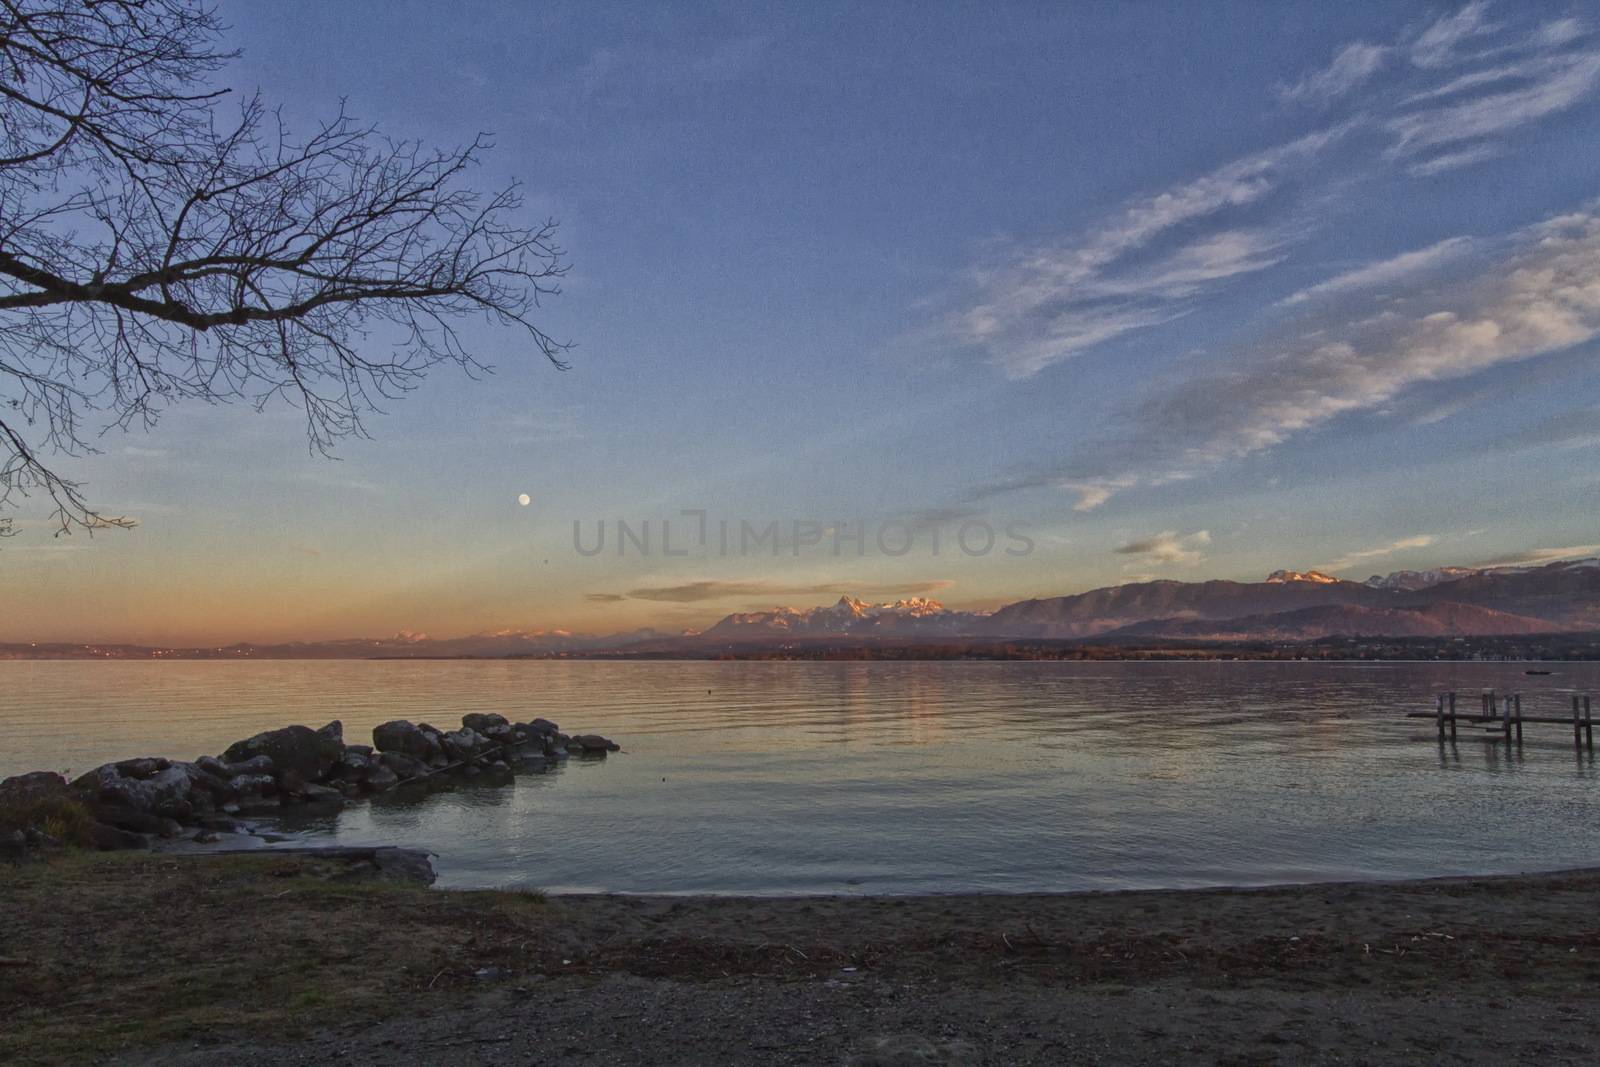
column 1142, row 290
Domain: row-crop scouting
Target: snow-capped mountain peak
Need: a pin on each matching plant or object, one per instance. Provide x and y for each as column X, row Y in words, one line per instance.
column 1284, row 577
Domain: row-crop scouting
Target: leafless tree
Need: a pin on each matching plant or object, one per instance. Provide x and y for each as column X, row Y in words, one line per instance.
column 161, row 242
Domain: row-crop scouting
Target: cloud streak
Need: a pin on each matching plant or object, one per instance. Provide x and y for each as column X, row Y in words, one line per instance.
column 1035, row 306
column 1351, row 559
column 1469, row 85
column 1530, row 294
column 1543, row 555
column 696, row 592
column 1167, row 547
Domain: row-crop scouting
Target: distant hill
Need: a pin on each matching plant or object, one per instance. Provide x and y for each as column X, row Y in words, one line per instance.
column 1337, row 620
column 1553, row 598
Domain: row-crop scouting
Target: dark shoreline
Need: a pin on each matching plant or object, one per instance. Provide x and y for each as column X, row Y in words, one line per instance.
column 324, row 967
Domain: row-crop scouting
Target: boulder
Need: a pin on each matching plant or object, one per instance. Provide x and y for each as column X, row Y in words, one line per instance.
column 253, row 765
column 250, row 786
column 164, row 792
column 31, row 787
column 334, row 731
column 213, row 766
column 543, row 726
column 420, row 742
column 382, row 778
column 143, row 767
column 465, row 744
column 324, row 795
column 402, row 765
column 293, row 748
column 356, row 764
column 591, row 743
column 482, row 721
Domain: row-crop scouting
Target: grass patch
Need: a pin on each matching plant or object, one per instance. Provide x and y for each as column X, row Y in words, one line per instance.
column 102, row 952
column 62, row 817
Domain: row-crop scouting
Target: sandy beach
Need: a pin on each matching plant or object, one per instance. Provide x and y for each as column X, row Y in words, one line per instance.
column 274, row 960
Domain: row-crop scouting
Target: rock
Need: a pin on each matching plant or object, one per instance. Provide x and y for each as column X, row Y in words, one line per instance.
column 356, row 763
column 164, row 792
column 219, row 824
column 483, row 721
column 382, row 778
column 254, row 785
column 421, row 742
column 334, row 731
column 591, row 743
column 403, row 865
column 293, row 748
column 254, row 765
column 13, row 844
column 500, row 735
column 111, row 838
column 143, row 767
column 465, row 744
column 324, row 795
column 206, row 837
column 31, row 787
column 543, row 726
column 215, row 767
column 402, row 765
column 499, row 766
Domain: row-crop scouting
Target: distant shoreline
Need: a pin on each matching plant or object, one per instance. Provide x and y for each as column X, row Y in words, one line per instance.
column 1550, row 648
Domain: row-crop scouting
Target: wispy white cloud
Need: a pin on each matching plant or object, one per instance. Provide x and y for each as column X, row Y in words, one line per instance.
column 1532, row 293
column 1035, row 306
column 1167, row 547
column 1438, row 45
column 1351, row 559
column 1455, row 160
column 1352, row 65
column 696, row 592
column 1470, row 85
column 1543, row 555
column 1386, row 272
column 1561, row 84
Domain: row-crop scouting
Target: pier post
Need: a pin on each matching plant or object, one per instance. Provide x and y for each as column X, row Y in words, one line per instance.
column 1577, row 726
column 1452, row 715
column 1438, row 717
column 1588, row 725
column 1519, row 718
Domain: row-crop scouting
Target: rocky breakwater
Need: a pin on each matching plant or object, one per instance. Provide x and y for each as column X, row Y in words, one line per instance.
column 129, row 803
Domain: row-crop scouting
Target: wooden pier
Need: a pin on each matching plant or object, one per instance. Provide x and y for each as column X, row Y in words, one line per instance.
column 1501, row 718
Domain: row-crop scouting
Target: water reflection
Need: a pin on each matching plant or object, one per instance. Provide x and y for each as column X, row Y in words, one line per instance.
column 881, row 777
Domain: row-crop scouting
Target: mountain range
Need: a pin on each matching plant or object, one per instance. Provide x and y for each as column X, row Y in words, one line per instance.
column 1561, row 597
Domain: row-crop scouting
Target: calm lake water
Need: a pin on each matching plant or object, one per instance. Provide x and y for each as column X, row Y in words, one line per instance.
column 893, row 777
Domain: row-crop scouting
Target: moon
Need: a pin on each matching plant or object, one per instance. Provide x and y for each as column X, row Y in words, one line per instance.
column 524, row 499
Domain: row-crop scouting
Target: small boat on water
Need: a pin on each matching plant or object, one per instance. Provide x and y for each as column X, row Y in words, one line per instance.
column 1535, row 672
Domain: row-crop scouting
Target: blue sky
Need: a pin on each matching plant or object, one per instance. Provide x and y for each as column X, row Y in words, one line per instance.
column 1188, row 291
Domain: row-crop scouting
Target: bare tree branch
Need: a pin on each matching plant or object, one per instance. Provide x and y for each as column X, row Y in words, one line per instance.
column 152, row 251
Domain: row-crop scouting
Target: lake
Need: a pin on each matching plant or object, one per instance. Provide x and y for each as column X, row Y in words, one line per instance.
column 893, row 777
